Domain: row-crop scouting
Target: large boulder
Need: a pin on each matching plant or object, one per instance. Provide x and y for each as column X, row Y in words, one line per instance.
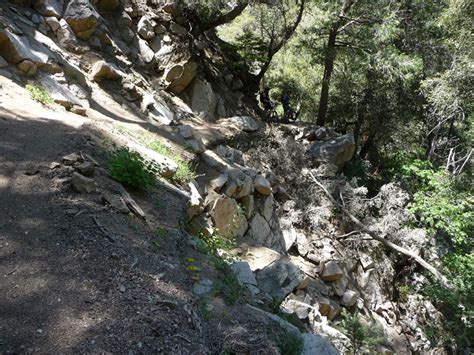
column 227, row 217
column 262, row 185
column 164, row 165
column 203, row 98
column 102, row 70
column 146, row 28
column 82, row 17
column 244, row 123
column 179, row 75
column 336, row 151
column 16, row 49
column 331, row 271
column 279, row 279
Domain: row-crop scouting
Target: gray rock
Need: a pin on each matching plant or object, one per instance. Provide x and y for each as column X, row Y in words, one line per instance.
column 16, row 49
column 157, row 109
column 80, row 183
column 196, row 145
column 71, row 159
column 248, row 203
column 53, row 23
column 165, row 165
column 218, row 183
column 349, row 298
column 195, row 201
column 3, row 63
column 86, row 169
column 289, row 238
column 340, row 286
column 366, row 261
column 82, row 17
column 314, row 344
column 186, row 131
column 65, row 35
column 146, row 28
column 58, row 91
column 331, row 271
column 177, row 29
column 245, row 123
column 146, row 53
column 245, row 276
column 262, row 185
column 156, row 44
column 203, row 287
column 260, row 230
column 160, row 29
column 203, row 98
column 336, row 151
column 116, row 202
column 279, row 279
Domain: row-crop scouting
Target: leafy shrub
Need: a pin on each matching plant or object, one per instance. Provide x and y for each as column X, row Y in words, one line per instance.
column 38, row 93
column 457, row 305
column 130, row 169
column 185, row 172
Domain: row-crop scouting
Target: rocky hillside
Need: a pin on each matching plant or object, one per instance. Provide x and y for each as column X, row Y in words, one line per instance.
column 235, row 249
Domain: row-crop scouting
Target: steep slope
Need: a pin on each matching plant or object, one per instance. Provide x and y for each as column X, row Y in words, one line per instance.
column 89, row 268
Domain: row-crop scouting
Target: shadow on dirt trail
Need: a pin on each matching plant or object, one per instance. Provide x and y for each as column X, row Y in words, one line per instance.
column 65, row 287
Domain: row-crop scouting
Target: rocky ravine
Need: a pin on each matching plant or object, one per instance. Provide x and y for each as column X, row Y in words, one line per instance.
column 95, row 278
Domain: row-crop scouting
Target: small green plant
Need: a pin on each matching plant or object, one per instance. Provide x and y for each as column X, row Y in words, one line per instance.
column 185, row 173
column 228, row 287
column 215, row 242
column 193, row 269
column 38, row 93
column 404, row 292
column 203, row 309
column 130, row 169
column 360, row 334
column 160, row 235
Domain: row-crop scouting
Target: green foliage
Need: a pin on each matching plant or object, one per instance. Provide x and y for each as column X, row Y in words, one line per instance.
column 227, row 286
column 440, row 201
column 361, row 335
column 215, row 242
column 251, row 47
column 193, row 269
column 130, row 169
column 404, row 291
column 457, row 305
column 185, row 172
column 38, row 93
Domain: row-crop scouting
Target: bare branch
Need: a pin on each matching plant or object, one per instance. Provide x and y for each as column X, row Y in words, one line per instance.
column 439, row 276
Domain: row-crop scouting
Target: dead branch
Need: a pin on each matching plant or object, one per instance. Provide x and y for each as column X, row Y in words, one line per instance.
column 440, row 277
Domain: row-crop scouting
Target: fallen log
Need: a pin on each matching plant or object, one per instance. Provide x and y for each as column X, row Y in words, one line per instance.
column 439, row 276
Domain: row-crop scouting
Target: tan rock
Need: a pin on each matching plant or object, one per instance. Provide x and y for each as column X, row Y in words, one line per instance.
column 331, row 271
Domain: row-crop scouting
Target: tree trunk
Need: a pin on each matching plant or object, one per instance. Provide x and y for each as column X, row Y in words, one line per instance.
column 329, row 62
column 328, row 67
column 273, row 49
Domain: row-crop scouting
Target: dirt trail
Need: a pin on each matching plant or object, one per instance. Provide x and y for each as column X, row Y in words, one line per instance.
column 65, row 287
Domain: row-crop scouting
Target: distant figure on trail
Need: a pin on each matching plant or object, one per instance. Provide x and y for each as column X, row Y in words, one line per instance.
column 268, row 105
column 289, row 114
